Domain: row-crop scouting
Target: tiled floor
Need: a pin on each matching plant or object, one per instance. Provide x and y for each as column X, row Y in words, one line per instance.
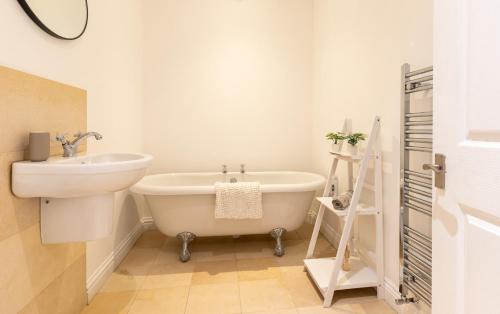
column 225, row 275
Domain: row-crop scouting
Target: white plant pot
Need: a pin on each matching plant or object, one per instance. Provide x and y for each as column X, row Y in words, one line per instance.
column 352, row 149
column 335, row 147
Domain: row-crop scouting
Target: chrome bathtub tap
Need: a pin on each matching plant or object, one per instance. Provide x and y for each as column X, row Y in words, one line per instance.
column 224, row 169
column 242, row 168
column 70, row 148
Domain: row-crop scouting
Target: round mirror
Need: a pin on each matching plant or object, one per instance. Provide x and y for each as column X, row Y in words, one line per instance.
column 64, row 19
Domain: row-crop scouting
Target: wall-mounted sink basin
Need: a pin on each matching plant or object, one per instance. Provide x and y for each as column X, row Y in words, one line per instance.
column 77, row 193
column 78, row 176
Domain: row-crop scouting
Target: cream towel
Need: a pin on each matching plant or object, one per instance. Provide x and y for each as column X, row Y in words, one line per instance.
column 242, row 200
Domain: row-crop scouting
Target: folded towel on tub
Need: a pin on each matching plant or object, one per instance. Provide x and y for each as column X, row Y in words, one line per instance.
column 242, row 200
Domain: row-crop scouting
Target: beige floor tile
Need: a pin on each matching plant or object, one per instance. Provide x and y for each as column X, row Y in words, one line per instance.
column 140, row 257
column 253, row 238
column 291, row 260
column 169, row 276
column 292, row 270
column 377, row 307
column 110, row 303
column 322, row 310
column 353, row 296
column 217, row 239
column 172, row 241
column 293, row 247
column 215, row 298
column 264, row 295
column 305, row 231
column 292, row 235
column 322, row 241
column 335, row 309
column 126, row 279
column 31, row 308
column 171, row 301
column 259, row 284
column 214, row 272
column 209, row 252
column 254, row 249
column 257, row 269
column 295, row 252
column 300, row 287
column 283, row 311
column 168, row 254
column 324, row 248
column 151, row 239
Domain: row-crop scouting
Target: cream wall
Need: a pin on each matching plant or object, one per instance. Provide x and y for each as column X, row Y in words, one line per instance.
column 228, row 82
column 107, row 63
column 359, row 47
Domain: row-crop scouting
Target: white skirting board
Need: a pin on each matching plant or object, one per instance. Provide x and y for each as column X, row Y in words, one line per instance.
column 392, row 293
column 102, row 273
column 148, row 223
column 330, row 234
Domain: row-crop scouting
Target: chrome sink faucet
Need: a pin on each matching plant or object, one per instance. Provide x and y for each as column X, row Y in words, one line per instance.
column 70, row 148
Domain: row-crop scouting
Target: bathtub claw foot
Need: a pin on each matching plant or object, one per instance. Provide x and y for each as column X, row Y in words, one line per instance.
column 186, row 238
column 277, row 233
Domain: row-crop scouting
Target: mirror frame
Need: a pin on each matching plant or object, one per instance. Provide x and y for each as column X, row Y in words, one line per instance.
column 40, row 24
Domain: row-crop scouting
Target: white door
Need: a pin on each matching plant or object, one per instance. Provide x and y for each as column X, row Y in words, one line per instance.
column 466, row 214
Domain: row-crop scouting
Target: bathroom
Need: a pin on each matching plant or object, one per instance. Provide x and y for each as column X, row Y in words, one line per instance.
column 186, row 94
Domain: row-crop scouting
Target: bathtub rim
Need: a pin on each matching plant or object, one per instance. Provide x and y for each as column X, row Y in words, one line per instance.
column 157, row 190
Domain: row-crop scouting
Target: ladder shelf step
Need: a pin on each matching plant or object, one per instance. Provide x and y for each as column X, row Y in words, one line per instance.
column 361, row 210
column 349, row 157
column 360, row 275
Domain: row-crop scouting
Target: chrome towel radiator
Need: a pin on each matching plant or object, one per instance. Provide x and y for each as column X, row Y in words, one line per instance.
column 416, row 187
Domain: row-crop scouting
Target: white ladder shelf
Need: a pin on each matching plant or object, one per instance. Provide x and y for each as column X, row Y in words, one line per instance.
column 326, row 272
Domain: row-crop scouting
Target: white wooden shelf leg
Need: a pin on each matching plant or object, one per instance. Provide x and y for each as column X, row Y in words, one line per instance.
column 379, row 223
column 321, row 211
column 315, row 233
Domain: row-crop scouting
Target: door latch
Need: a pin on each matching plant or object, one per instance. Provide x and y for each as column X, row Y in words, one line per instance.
column 439, row 168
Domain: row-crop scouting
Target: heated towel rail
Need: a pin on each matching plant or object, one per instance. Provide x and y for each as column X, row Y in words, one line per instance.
column 416, row 188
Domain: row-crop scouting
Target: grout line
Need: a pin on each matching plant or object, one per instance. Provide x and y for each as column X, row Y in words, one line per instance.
column 239, row 292
column 133, row 301
column 187, row 300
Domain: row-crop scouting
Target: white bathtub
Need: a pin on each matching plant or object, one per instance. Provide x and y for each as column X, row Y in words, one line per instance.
column 185, row 202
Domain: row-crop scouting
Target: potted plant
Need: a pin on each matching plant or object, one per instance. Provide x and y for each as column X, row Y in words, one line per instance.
column 353, row 140
column 336, row 138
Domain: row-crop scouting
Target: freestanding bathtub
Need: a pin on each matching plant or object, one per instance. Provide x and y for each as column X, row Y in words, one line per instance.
column 182, row 204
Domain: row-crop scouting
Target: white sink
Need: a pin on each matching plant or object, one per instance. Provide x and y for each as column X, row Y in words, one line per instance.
column 77, row 193
column 78, row 176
